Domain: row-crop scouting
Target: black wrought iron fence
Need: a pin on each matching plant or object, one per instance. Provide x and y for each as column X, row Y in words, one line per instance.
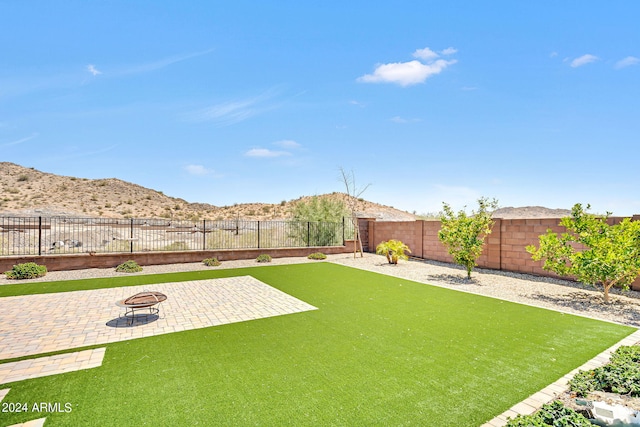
column 64, row 235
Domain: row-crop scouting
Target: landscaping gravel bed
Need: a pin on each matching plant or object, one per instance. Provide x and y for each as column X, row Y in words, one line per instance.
column 545, row 292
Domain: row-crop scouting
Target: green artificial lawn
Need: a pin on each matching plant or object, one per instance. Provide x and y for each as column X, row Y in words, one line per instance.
column 378, row 351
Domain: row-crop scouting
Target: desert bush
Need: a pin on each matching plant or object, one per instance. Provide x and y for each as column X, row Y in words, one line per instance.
column 23, row 178
column 27, row 270
column 128, row 267
column 264, row 258
column 318, row 222
column 317, row 255
column 211, row 262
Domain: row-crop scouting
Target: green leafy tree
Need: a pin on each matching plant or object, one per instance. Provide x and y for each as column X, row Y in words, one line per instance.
column 393, row 250
column 318, row 222
column 463, row 234
column 592, row 251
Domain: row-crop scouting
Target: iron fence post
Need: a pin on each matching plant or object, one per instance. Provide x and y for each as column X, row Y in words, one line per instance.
column 308, row 233
column 204, row 234
column 131, row 236
column 39, row 235
column 258, row 234
column 343, row 242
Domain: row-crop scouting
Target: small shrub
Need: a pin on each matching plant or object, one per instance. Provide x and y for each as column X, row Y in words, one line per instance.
column 28, row 270
column 128, row 267
column 552, row 414
column 317, row 255
column 264, row 258
column 621, row 375
column 393, row 250
column 23, row 178
column 211, row 262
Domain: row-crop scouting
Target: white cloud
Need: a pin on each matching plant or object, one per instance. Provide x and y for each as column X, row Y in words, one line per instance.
column 19, row 141
column 411, row 72
column 287, row 143
column 197, row 170
column 265, row 152
column 228, row 113
column 400, row 120
column 93, row 70
column 449, row 51
column 583, row 60
column 159, row 64
column 425, row 54
column 626, row 62
column 553, row 54
column 405, row 73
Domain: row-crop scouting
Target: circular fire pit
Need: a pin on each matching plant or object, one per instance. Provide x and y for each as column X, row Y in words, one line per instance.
column 141, row 301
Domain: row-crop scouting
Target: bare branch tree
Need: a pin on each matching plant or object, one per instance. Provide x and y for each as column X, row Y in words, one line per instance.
column 353, row 196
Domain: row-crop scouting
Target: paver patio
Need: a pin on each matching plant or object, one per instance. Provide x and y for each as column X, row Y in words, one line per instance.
column 50, row 365
column 35, row 324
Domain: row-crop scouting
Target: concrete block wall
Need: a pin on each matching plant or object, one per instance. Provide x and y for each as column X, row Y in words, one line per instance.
column 505, row 247
column 409, row 232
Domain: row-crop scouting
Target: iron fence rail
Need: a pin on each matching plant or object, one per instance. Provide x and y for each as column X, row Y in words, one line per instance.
column 64, row 235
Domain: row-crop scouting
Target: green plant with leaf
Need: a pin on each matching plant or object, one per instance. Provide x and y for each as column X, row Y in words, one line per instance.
column 27, row 270
column 463, row 234
column 592, row 251
column 317, row 256
column 394, row 250
column 211, row 262
column 318, row 221
column 128, row 267
column 621, row 375
column 263, row 258
column 552, row 414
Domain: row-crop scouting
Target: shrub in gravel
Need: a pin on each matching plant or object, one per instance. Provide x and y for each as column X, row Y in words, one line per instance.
column 317, row 255
column 128, row 267
column 264, row 258
column 211, row 262
column 27, row 270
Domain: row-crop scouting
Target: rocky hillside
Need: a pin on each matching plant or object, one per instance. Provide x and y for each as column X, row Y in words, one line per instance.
column 26, row 191
column 530, row 212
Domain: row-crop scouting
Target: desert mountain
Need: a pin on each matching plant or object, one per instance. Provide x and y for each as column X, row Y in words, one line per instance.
column 29, row 192
column 530, row 212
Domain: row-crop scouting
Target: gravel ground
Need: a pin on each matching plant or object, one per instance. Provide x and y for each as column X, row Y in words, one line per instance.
column 555, row 294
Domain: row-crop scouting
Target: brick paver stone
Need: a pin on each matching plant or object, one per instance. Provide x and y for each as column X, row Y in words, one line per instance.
column 51, row 365
column 35, row 324
column 33, row 423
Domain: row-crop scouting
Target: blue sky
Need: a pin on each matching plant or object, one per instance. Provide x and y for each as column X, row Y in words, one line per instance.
column 533, row 103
